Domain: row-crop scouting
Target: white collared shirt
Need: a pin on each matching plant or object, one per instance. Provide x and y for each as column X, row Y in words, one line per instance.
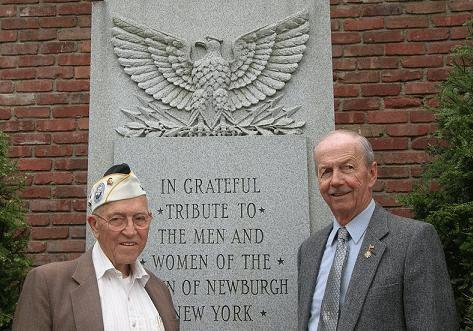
column 126, row 306
column 356, row 228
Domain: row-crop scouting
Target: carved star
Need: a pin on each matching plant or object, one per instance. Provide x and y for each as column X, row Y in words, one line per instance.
column 142, row 261
column 263, row 313
column 262, row 210
column 280, row 261
column 160, row 211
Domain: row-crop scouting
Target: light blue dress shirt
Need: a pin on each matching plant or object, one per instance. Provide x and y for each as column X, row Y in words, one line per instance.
column 356, row 228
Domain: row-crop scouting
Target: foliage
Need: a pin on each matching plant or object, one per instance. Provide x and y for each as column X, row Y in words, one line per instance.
column 444, row 197
column 13, row 235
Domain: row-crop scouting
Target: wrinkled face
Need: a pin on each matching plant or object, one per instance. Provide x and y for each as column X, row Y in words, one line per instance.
column 121, row 247
column 345, row 181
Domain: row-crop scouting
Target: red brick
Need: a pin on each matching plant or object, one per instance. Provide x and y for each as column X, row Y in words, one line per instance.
column 82, row 72
column 37, row 219
column 407, row 157
column 404, row 49
column 57, row 22
column 6, row 87
column 363, row 50
column 61, row 1
column 74, row 34
column 380, row 89
column 70, row 164
column 36, row 247
column 71, row 111
column 400, row 75
column 6, row 36
column 337, row 51
column 382, row 10
column 464, row 5
column 349, row 117
column 69, row 191
column 406, row 22
column 31, row 139
column 17, row 99
column 55, row 72
column 18, row 74
column 361, row 104
column 424, row 61
column 444, row 47
column 34, row 86
column 38, row 11
column 68, row 219
column 70, row 137
column 36, row 192
column 85, row 21
column 421, row 88
column 50, row 205
column 382, row 36
column 418, row 116
column 72, row 85
column 408, row 130
column 5, row 113
column 428, row 35
column 7, row 11
column 417, row 171
column 403, row 212
column 81, row 150
column 424, row 142
column 20, row 151
column 75, row 9
column 343, row 91
column 401, row 102
column 344, row 38
column 53, row 151
column 52, row 98
column 438, row 74
column 8, row 61
column 77, row 232
column 458, row 33
column 70, row 245
column 85, row 46
column 56, row 47
column 74, row 59
column 339, row 64
column 344, row 11
column 34, row 164
column 393, row 172
column 361, row 24
column 79, row 205
column 55, row 125
column 378, row 63
column 334, row 25
column 19, row 23
column 37, row 35
column 359, row 77
column 386, row 201
column 35, row 60
column 53, row 178
column 19, row 1
column 398, row 185
column 452, row 20
column 79, row 98
column 432, row 102
column 18, row 49
column 43, row 233
column 389, row 143
column 425, row 7
column 14, row 126
column 380, row 117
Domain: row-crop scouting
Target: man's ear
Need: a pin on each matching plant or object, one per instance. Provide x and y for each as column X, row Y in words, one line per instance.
column 93, row 222
column 373, row 173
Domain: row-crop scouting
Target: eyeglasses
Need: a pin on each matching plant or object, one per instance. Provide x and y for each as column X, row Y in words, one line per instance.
column 119, row 222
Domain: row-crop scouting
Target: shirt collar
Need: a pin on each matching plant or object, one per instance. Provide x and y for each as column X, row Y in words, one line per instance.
column 356, row 227
column 102, row 264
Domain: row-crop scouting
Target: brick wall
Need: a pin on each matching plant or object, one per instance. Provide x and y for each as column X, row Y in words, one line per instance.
column 388, row 59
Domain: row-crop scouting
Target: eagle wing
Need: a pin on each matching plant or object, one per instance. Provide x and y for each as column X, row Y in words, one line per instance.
column 158, row 62
column 264, row 59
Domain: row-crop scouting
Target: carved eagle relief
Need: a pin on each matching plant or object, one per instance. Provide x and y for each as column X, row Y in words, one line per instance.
column 211, row 88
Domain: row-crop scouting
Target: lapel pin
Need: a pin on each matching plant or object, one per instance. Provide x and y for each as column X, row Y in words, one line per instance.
column 369, row 252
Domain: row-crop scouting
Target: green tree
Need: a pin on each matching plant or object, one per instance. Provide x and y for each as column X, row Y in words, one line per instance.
column 13, row 235
column 444, row 196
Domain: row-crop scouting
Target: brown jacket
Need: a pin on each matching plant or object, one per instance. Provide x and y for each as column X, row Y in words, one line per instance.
column 65, row 296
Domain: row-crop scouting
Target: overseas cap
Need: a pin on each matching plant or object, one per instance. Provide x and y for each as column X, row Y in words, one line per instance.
column 117, row 183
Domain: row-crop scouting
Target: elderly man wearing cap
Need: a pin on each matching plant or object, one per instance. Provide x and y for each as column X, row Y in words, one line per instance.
column 105, row 288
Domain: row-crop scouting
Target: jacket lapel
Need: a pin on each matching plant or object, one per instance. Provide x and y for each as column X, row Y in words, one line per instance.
column 85, row 298
column 364, row 270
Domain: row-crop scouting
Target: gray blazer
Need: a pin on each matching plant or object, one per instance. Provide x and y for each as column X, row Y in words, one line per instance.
column 403, row 285
column 64, row 296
